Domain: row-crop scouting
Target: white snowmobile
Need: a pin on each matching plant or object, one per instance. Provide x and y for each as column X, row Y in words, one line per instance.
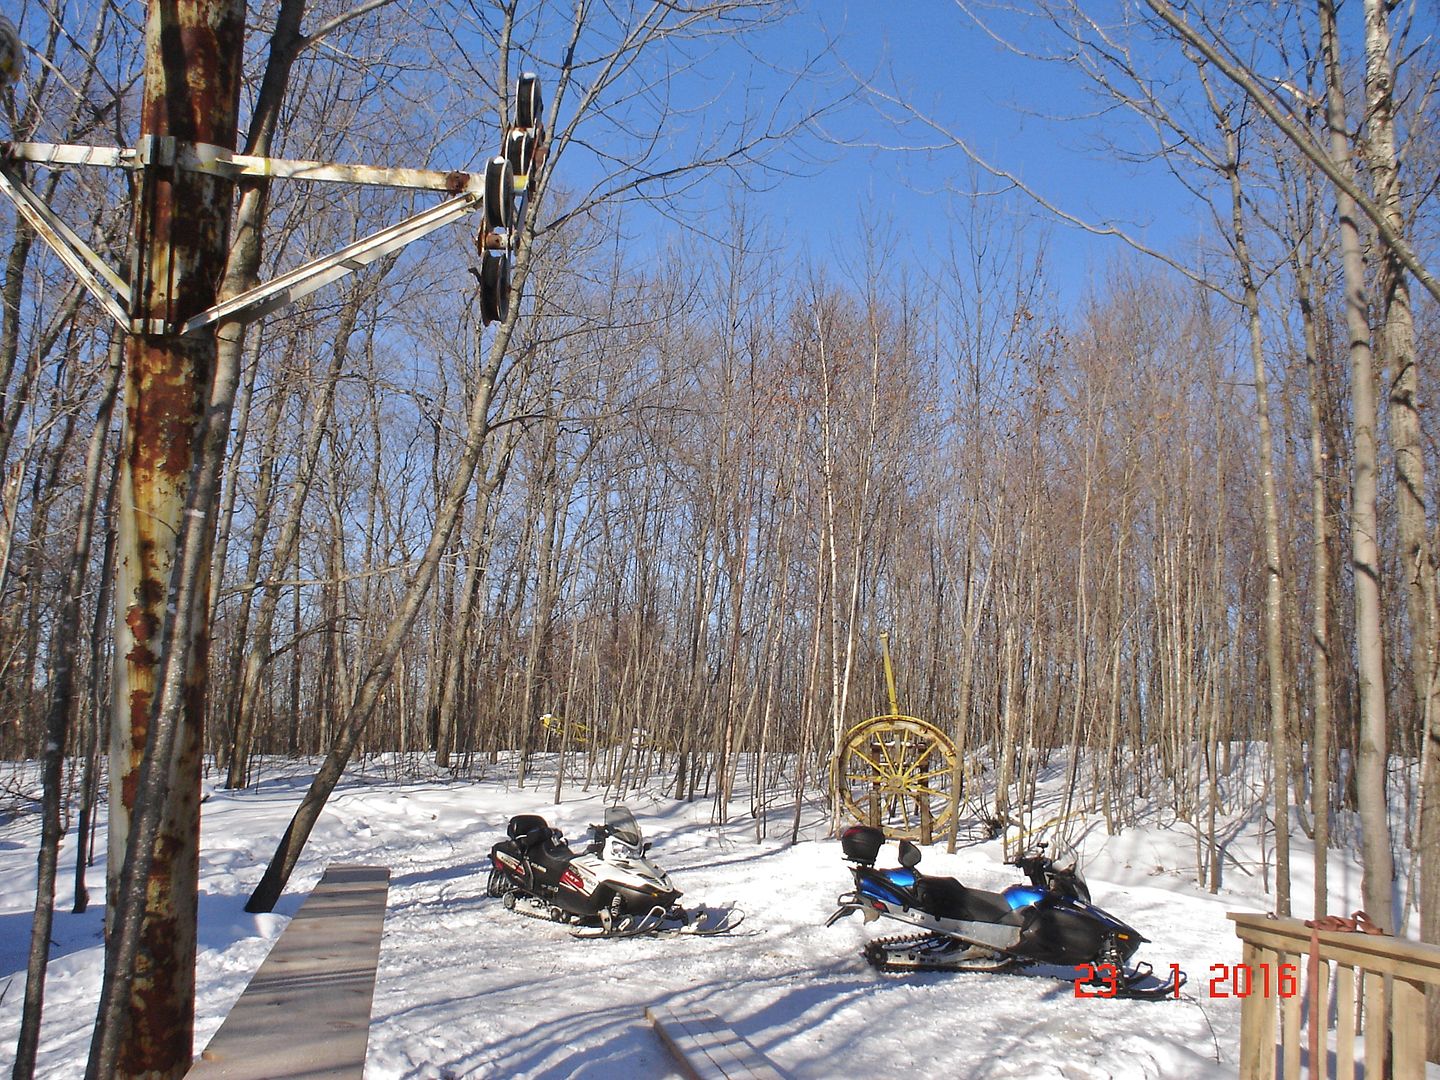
column 611, row 889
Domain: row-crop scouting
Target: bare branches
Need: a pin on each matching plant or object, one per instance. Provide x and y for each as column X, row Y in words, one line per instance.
column 950, row 139
column 1299, row 138
column 329, row 26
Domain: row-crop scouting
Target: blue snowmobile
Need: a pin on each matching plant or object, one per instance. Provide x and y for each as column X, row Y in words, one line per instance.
column 1048, row 921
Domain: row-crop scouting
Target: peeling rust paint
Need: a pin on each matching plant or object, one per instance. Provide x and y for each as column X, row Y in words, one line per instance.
column 194, row 49
column 129, row 784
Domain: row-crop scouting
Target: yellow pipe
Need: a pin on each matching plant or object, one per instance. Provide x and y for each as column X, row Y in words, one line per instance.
column 889, row 673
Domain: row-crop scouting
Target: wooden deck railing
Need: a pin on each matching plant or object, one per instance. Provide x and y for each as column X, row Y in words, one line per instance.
column 1371, row 991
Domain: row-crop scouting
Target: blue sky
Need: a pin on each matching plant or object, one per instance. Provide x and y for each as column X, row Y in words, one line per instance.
column 1011, row 109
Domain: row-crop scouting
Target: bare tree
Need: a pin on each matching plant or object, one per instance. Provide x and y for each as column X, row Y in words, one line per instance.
column 1364, row 538
column 599, row 51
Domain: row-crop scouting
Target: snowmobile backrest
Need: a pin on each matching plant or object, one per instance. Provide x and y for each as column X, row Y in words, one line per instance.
column 525, row 824
column 909, row 854
column 861, row 843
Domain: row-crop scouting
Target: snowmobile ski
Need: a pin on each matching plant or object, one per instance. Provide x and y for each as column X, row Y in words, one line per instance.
column 706, row 922
column 1138, row 984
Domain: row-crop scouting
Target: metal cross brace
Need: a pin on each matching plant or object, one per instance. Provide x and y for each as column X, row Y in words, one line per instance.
column 113, row 292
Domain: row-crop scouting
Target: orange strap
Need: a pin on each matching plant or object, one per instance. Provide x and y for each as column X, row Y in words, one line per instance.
column 1358, row 923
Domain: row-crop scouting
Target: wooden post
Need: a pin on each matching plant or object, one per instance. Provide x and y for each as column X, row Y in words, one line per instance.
column 1290, row 1014
column 1346, row 1006
column 1257, row 1014
column 1408, row 1045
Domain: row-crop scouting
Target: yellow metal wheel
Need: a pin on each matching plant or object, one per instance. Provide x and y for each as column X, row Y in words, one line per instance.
column 898, row 773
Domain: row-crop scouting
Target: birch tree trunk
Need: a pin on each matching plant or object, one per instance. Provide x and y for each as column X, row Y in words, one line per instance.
column 1373, row 747
column 1320, row 589
column 1417, row 567
column 1270, row 517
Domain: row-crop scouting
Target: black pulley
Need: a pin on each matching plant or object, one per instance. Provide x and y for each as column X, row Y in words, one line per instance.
column 499, row 194
column 528, row 104
column 494, row 289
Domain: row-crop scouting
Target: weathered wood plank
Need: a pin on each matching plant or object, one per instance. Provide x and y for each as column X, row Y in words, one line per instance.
column 1317, row 1012
column 306, row 1013
column 705, row 1046
column 1375, row 1022
column 1257, row 1015
column 1290, row 1040
column 1408, row 1047
column 1347, row 1005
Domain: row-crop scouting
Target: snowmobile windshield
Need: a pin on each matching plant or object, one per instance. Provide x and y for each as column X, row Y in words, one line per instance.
column 1063, row 874
column 621, row 824
column 1064, row 856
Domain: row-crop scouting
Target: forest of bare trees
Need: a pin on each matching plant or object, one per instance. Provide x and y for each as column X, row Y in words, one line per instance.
column 1183, row 520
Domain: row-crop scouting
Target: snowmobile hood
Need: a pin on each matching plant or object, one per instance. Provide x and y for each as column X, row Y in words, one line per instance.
column 1018, row 896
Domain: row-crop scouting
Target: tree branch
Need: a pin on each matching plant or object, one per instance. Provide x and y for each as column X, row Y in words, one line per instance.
column 1300, row 139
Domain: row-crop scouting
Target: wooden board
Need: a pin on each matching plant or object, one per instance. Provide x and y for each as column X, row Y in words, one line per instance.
column 306, row 1013
column 705, row 1046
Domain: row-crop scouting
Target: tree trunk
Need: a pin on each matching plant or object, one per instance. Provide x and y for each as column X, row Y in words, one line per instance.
column 1398, row 354
column 1274, row 572
column 1379, row 869
column 258, row 650
column 65, row 642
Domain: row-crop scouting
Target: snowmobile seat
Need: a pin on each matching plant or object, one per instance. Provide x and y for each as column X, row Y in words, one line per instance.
column 550, row 857
column 947, row 898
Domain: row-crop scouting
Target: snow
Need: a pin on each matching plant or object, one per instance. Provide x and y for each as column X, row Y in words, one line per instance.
column 467, row 989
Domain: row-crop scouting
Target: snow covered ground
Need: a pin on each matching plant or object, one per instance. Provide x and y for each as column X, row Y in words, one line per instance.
column 467, row 989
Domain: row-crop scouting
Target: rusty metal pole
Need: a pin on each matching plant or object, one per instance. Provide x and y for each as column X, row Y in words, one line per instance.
column 193, row 51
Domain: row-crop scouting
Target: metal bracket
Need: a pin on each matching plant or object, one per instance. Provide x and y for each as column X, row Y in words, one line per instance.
column 103, row 283
column 163, row 152
column 258, row 302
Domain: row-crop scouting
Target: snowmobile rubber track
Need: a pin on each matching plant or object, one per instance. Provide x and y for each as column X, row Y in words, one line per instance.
column 879, row 952
column 533, row 908
column 530, row 907
column 650, row 925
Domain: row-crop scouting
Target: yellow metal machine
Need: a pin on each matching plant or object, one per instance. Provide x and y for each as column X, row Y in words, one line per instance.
column 898, row 772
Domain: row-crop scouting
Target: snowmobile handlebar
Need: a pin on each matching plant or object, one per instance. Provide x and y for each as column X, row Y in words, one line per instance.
column 1037, row 865
column 1033, row 867
column 1044, row 873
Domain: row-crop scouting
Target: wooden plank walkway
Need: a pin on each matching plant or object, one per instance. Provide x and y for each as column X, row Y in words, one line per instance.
column 306, row 1013
column 706, row 1047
